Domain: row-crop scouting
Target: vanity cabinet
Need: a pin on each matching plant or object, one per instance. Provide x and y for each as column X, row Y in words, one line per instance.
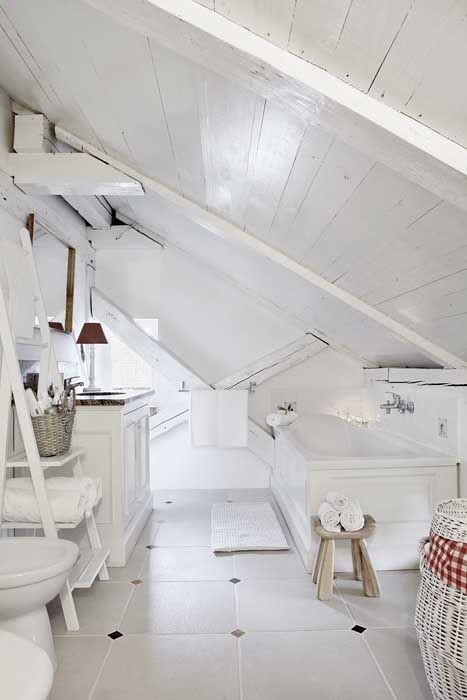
column 115, row 437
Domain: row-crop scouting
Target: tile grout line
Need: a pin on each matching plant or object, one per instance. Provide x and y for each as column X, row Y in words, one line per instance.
column 99, row 674
column 375, row 661
column 378, row 666
column 238, row 641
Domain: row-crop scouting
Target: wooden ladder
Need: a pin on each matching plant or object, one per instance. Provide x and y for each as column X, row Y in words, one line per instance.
column 11, row 382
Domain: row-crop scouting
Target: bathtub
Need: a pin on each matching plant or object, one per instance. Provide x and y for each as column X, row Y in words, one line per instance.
column 398, row 481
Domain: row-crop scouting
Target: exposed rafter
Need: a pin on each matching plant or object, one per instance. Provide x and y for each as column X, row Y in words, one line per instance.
column 408, row 147
column 227, row 231
column 68, row 173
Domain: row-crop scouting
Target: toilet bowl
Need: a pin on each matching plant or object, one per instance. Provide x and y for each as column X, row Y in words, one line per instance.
column 33, row 570
column 26, row 670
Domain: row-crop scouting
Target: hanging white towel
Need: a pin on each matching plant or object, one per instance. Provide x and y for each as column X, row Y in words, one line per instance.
column 203, row 418
column 352, row 517
column 338, row 501
column 232, row 418
column 329, row 517
column 219, row 418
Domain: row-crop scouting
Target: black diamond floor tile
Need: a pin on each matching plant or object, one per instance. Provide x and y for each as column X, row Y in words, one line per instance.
column 115, row 635
column 234, row 580
column 358, row 628
column 237, row 633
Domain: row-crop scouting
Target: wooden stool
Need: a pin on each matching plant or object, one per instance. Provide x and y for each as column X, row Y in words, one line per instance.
column 323, row 573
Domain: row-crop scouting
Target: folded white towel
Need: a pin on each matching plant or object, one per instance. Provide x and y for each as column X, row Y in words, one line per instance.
column 90, row 487
column 352, row 517
column 329, row 517
column 338, row 501
column 69, row 503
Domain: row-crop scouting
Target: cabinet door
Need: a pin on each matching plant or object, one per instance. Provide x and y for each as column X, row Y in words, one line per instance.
column 142, row 457
column 130, row 442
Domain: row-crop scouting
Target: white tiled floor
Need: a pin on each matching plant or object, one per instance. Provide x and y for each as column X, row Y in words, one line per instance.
column 177, row 624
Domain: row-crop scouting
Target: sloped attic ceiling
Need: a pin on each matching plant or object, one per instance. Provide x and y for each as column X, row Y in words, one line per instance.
column 267, row 168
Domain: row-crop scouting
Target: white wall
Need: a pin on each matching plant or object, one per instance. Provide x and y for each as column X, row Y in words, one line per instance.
column 177, row 465
column 327, row 383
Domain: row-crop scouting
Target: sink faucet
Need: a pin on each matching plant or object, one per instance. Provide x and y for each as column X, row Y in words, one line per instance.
column 397, row 404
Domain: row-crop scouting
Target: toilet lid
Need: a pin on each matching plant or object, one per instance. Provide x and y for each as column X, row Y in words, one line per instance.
column 16, row 655
column 25, row 560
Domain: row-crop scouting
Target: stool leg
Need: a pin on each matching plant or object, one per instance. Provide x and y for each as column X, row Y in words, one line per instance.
column 326, row 572
column 370, row 582
column 356, row 560
column 319, row 559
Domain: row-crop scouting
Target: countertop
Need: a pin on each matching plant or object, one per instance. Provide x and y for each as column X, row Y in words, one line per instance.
column 122, row 398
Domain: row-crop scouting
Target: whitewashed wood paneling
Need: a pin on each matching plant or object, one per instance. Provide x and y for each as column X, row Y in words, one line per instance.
column 278, row 144
column 271, row 19
column 341, row 174
column 349, row 38
column 231, row 120
column 179, row 98
column 423, row 74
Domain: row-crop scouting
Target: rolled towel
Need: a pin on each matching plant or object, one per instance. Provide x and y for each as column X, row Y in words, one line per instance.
column 89, row 487
column 337, row 500
column 20, row 505
column 352, row 517
column 329, row 517
column 69, row 498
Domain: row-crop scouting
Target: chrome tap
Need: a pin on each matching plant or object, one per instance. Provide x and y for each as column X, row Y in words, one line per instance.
column 397, row 404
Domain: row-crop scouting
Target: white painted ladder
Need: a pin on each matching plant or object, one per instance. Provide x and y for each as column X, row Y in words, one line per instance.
column 11, row 382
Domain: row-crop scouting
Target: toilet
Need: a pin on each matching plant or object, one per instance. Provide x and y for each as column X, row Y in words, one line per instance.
column 33, row 570
column 18, row 655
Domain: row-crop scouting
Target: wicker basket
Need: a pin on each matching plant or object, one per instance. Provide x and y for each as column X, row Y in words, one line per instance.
column 53, row 431
column 441, row 613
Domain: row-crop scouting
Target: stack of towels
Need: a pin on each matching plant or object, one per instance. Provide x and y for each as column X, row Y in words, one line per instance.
column 70, row 498
column 339, row 510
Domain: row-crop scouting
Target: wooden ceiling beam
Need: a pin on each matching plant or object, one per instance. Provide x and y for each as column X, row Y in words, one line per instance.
column 401, row 143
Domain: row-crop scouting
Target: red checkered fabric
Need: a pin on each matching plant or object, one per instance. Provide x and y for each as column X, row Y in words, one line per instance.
column 448, row 560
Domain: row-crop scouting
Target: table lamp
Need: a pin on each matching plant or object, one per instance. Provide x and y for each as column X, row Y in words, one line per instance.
column 91, row 334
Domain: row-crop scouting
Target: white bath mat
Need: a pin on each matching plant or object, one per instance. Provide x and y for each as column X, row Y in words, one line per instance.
column 245, row 526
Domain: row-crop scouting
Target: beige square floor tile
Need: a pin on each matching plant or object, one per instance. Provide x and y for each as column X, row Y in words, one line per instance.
column 399, row 656
column 288, row 604
column 132, row 568
column 322, row 665
column 193, row 532
column 187, row 564
column 79, row 661
column 395, row 607
column 269, row 565
column 197, row 607
column 99, row 608
column 170, row 668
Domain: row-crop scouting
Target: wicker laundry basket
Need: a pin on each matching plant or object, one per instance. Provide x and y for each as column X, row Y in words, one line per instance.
column 54, row 431
column 441, row 613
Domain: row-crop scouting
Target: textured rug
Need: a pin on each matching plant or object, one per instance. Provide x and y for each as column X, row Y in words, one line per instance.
column 245, row 526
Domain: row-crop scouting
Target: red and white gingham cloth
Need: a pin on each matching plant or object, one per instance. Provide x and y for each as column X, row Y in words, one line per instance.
column 448, row 560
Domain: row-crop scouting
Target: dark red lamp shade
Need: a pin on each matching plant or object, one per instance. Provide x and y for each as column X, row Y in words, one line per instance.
column 92, row 334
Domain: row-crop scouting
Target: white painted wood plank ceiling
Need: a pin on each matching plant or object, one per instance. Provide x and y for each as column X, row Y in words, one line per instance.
column 265, row 168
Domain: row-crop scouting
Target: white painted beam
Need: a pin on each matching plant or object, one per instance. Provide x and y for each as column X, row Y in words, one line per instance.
column 147, row 347
column 94, row 210
column 408, row 147
column 229, row 232
column 68, row 174
column 32, row 134
column 274, row 363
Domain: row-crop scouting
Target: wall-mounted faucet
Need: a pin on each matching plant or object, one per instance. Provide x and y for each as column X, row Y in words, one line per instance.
column 398, row 404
